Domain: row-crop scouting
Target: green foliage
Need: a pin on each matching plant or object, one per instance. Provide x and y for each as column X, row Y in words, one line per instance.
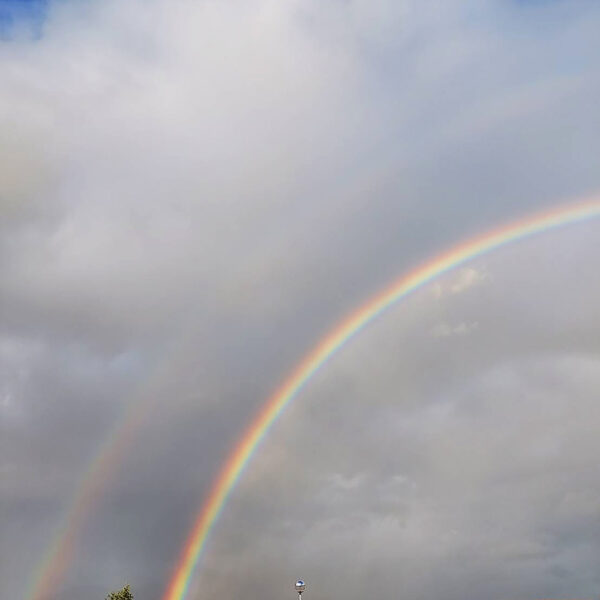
column 124, row 594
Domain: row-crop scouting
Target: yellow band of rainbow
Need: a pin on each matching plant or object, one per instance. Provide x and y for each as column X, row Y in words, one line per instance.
column 274, row 406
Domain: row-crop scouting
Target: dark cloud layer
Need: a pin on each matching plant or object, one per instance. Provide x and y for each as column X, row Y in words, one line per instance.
column 192, row 193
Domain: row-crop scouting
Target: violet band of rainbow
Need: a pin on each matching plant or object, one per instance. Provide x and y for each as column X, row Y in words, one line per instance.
column 243, row 451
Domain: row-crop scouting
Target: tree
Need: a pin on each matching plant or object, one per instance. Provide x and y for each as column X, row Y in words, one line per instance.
column 124, row 594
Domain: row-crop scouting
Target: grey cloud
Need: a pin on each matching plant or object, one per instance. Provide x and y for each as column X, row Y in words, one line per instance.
column 192, row 193
column 389, row 474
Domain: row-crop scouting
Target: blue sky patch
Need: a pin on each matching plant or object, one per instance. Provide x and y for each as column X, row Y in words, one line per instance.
column 29, row 13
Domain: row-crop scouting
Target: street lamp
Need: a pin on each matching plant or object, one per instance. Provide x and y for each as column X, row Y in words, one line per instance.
column 300, row 587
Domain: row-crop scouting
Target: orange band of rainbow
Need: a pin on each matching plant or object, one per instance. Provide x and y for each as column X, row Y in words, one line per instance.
column 243, row 451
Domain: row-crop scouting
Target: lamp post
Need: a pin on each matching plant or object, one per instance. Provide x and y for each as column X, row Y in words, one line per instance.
column 300, row 587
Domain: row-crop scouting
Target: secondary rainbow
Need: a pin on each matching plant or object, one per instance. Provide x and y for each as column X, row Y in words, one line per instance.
column 274, row 406
column 57, row 559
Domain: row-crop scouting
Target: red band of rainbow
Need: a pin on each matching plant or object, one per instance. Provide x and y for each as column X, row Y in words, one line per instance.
column 272, row 409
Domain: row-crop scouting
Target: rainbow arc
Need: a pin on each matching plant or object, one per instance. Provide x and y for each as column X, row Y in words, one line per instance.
column 315, row 360
column 107, row 460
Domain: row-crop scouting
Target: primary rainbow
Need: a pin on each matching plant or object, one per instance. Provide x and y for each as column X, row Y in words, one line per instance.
column 243, row 451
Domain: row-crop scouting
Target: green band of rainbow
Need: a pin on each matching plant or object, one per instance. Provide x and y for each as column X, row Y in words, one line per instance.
column 57, row 559
column 243, row 451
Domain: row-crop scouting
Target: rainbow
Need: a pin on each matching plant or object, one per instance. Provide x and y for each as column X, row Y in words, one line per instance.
column 57, row 558
column 242, row 453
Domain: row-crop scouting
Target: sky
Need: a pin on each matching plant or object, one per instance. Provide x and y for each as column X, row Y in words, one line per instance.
column 193, row 193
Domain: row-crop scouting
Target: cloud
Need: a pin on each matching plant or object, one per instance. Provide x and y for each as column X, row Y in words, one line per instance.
column 192, row 193
column 444, row 330
column 465, row 451
column 466, row 279
column 462, row 280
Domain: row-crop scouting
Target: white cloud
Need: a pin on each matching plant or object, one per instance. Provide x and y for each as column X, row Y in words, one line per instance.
column 467, row 278
column 445, row 329
column 460, row 281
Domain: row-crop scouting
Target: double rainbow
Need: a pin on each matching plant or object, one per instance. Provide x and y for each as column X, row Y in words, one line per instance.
column 58, row 557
